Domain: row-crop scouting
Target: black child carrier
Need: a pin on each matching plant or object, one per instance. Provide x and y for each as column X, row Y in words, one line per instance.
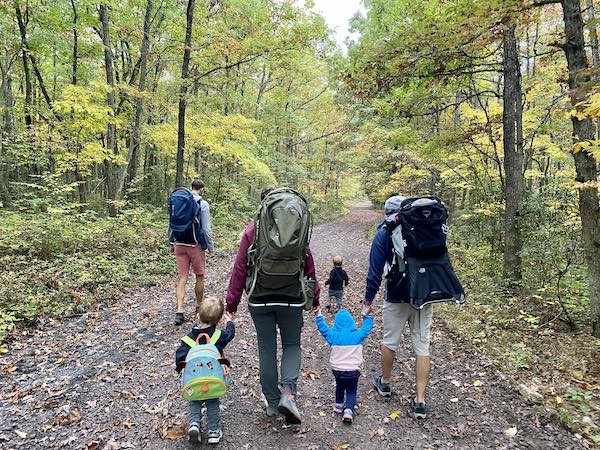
column 421, row 255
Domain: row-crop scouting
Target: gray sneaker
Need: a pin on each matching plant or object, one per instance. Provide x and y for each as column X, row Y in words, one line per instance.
column 179, row 319
column 194, row 433
column 214, row 436
column 271, row 412
column 384, row 389
column 287, row 407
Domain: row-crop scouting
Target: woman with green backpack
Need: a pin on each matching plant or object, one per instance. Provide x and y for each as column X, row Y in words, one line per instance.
column 276, row 268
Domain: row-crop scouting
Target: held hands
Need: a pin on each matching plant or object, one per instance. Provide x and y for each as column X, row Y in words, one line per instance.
column 317, row 311
column 229, row 316
column 366, row 310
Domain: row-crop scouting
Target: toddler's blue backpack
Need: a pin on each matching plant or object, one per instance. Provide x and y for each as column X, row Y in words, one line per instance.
column 206, row 375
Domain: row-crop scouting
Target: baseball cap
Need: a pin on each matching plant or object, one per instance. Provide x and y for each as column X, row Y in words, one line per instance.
column 392, row 204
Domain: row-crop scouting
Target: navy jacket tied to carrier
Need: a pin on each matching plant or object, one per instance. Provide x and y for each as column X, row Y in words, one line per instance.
column 410, row 249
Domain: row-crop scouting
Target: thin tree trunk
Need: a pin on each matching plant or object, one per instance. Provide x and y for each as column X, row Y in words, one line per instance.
column 585, row 163
column 27, row 74
column 185, row 66
column 111, row 132
column 134, row 144
column 513, row 157
column 31, row 56
column 594, row 45
column 75, row 45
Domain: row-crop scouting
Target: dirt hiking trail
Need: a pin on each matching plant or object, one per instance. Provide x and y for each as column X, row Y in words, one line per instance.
column 106, row 380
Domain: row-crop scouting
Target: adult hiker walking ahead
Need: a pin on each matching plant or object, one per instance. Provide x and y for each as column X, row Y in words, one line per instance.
column 190, row 236
column 276, row 267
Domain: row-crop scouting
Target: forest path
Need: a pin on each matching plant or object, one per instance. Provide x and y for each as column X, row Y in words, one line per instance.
column 106, row 379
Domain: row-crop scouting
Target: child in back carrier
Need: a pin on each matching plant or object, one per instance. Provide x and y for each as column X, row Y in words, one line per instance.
column 210, row 312
column 346, row 357
column 338, row 279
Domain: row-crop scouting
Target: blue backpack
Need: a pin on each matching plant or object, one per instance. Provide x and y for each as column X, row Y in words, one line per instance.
column 184, row 219
column 206, row 375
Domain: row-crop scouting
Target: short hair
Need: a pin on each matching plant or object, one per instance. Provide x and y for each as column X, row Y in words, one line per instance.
column 211, row 310
column 338, row 261
column 197, row 184
column 266, row 191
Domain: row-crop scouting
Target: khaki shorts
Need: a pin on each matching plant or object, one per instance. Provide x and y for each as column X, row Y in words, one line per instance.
column 395, row 316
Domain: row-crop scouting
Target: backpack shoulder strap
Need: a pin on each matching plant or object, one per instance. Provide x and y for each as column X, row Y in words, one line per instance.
column 188, row 340
column 215, row 337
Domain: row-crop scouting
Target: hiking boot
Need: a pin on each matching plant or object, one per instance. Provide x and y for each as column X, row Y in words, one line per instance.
column 338, row 408
column 287, row 407
column 179, row 318
column 194, row 433
column 348, row 415
column 214, row 436
column 419, row 409
column 384, row 389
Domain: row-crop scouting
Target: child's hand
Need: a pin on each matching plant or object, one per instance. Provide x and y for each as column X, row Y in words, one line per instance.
column 366, row 310
column 229, row 316
column 317, row 311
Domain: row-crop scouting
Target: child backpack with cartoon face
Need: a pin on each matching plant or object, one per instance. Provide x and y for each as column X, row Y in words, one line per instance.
column 206, row 375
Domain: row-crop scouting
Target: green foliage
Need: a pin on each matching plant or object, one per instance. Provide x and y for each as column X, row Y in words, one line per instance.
column 60, row 262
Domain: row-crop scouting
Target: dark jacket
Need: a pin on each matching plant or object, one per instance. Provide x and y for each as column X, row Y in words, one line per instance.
column 338, row 278
column 226, row 337
column 382, row 252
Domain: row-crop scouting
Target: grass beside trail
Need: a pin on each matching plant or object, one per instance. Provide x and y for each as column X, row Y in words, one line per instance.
column 61, row 262
column 555, row 367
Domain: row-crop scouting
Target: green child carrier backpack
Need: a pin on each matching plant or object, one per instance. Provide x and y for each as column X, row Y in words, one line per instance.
column 206, row 375
column 276, row 259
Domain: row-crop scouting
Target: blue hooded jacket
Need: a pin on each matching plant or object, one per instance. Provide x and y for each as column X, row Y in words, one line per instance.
column 345, row 340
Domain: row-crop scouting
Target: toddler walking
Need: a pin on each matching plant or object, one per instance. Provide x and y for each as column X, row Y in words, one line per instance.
column 338, row 279
column 210, row 311
column 346, row 357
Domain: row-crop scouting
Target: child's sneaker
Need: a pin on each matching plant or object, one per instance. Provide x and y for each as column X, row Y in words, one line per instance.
column 214, row 437
column 338, row 408
column 348, row 414
column 419, row 409
column 194, row 433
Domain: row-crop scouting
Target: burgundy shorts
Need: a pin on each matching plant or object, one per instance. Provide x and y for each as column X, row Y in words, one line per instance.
column 186, row 255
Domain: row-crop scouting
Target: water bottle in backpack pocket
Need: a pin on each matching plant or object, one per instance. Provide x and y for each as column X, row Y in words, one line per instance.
column 207, row 374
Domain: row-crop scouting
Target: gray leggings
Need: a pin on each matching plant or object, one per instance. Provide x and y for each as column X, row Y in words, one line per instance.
column 289, row 320
column 212, row 413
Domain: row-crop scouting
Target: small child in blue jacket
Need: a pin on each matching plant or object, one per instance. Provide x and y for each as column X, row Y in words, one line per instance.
column 346, row 357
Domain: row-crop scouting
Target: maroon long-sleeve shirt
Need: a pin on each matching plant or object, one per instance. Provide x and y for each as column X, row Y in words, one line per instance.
column 239, row 273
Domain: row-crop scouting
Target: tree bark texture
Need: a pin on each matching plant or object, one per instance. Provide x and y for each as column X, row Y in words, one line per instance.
column 185, row 67
column 134, row 143
column 585, row 163
column 111, row 131
column 513, row 157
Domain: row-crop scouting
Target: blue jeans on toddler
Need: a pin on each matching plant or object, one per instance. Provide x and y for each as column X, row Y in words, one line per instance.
column 212, row 413
column 346, row 383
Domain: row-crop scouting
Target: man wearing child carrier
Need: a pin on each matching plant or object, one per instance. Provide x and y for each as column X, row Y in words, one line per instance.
column 276, row 268
column 410, row 249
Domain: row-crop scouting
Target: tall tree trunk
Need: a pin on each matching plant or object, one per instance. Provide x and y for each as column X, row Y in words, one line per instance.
column 31, row 57
column 594, row 45
column 7, row 128
column 585, row 163
column 75, row 45
column 27, row 74
column 513, row 157
column 134, row 143
column 111, row 132
column 185, row 66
